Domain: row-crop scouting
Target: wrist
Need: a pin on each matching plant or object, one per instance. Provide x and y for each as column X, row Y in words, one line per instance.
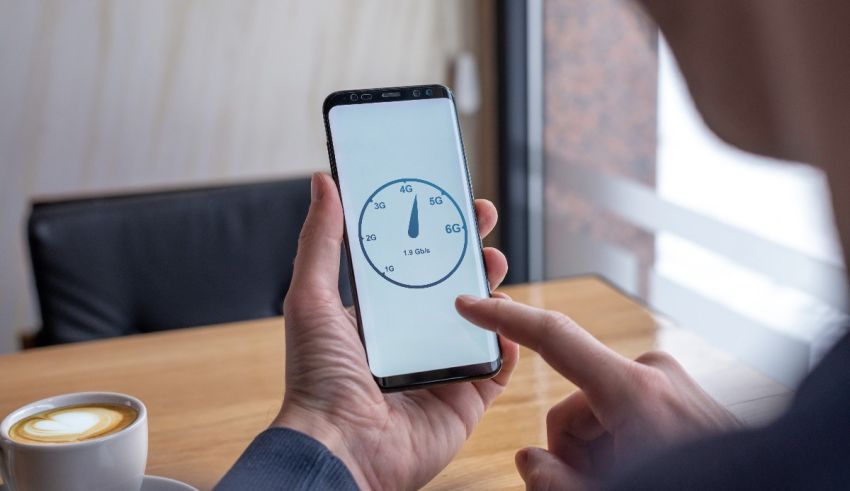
column 325, row 432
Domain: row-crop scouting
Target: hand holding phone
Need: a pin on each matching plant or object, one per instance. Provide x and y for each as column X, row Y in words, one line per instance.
column 411, row 236
column 387, row 441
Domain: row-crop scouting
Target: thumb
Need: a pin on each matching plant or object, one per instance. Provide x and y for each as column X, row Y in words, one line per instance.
column 542, row 471
column 316, row 270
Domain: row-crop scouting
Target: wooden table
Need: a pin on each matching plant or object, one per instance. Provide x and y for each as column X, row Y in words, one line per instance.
column 210, row 390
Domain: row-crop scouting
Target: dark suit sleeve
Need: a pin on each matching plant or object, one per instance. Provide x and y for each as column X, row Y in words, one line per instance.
column 807, row 448
column 280, row 458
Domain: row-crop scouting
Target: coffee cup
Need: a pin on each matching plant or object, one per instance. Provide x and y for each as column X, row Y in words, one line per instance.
column 81, row 441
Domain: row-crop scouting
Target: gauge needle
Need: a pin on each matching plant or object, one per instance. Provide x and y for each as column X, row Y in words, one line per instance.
column 413, row 227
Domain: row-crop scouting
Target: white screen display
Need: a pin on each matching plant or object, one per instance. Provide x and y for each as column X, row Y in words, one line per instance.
column 412, row 234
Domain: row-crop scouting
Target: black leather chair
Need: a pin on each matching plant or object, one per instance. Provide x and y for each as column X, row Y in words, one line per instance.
column 137, row 263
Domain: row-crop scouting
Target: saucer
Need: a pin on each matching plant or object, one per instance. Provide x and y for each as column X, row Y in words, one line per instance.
column 151, row 483
column 156, row 483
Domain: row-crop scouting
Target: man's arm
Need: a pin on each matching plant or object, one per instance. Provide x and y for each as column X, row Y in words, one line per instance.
column 281, row 458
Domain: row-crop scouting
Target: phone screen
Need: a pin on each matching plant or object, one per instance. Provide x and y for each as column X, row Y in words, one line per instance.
column 412, row 234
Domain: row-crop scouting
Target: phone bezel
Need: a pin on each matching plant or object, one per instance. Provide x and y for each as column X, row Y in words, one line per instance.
column 431, row 377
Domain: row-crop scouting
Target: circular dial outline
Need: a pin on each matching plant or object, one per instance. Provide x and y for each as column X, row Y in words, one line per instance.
column 443, row 192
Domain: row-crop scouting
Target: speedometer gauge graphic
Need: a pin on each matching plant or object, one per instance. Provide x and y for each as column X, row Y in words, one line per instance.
column 413, row 233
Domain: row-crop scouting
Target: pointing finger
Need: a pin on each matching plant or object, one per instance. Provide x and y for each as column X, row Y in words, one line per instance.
column 564, row 345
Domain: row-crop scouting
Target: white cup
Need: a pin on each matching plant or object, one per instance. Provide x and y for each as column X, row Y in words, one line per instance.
column 115, row 462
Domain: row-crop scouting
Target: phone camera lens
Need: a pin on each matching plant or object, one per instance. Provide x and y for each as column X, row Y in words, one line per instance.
column 353, row 97
column 429, row 92
column 416, row 92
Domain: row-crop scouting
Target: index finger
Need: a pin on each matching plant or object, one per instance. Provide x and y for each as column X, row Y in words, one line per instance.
column 569, row 349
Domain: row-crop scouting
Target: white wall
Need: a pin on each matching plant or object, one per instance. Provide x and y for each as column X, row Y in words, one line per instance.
column 97, row 95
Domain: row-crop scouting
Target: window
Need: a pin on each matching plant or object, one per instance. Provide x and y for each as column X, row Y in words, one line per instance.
column 739, row 248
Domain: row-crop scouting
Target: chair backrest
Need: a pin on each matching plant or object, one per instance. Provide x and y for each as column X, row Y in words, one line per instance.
column 137, row 263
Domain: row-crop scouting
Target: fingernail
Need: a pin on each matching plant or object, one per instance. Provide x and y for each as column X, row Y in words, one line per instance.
column 522, row 461
column 467, row 299
column 316, row 190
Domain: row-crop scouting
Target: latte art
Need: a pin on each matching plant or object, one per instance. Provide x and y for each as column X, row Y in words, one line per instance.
column 73, row 423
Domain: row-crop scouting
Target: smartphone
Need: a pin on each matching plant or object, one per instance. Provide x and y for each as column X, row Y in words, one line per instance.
column 411, row 234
